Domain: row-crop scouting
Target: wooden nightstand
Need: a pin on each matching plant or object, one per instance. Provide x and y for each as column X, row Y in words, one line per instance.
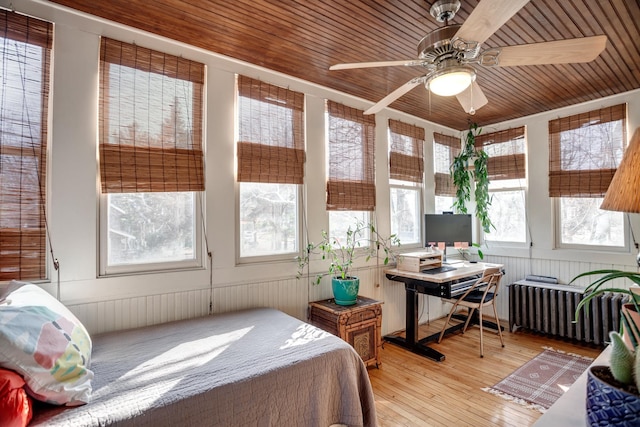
column 359, row 324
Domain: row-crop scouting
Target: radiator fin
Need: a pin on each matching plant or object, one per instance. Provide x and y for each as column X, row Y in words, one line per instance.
column 551, row 309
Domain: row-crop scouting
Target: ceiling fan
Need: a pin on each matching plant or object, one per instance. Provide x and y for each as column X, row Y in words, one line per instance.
column 450, row 53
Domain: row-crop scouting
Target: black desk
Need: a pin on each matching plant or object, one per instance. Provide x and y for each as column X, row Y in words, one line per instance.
column 444, row 285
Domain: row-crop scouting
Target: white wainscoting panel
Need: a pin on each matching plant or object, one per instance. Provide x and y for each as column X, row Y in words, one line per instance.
column 135, row 312
column 292, row 296
column 287, row 295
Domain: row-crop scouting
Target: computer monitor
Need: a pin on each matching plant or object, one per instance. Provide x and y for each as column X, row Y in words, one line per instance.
column 447, row 228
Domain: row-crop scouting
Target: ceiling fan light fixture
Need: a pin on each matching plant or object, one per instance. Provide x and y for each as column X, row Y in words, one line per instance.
column 451, row 81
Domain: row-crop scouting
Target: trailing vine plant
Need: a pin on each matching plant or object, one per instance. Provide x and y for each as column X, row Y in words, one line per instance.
column 463, row 176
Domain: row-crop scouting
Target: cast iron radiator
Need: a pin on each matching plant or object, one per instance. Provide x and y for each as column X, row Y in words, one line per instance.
column 550, row 309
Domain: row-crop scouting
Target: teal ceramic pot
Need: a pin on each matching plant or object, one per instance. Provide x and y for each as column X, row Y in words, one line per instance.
column 608, row 405
column 345, row 291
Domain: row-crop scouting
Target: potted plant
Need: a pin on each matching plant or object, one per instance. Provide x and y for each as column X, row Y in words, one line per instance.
column 613, row 398
column 341, row 254
column 471, row 166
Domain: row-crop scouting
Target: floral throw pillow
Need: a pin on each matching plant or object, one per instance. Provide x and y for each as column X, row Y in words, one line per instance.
column 45, row 343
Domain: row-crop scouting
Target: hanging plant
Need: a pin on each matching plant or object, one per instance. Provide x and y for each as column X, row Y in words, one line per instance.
column 471, row 166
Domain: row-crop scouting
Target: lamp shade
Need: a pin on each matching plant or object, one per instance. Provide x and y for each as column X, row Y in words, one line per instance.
column 451, row 81
column 623, row 194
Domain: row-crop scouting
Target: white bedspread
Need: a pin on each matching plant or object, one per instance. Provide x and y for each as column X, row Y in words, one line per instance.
column 257, row 367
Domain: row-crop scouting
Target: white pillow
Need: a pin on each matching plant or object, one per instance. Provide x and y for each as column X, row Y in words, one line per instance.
column 45, row 343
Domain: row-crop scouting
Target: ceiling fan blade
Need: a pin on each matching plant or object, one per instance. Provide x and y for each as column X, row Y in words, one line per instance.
column 395, row 95
column 407, row 62
column 569, row 51
column 472, row 99
column 487, row 18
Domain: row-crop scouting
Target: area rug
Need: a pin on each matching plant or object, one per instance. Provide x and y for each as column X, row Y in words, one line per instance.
column 541, row 381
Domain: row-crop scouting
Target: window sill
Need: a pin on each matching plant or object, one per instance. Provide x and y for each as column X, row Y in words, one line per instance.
column 617, row 258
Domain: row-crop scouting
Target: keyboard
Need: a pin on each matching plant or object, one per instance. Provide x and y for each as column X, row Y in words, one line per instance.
column 438, row 270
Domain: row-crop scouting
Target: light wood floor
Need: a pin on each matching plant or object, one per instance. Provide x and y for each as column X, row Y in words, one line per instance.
column 411, row 390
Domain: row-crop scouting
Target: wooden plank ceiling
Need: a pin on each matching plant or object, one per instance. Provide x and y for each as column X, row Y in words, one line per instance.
column 303, row 38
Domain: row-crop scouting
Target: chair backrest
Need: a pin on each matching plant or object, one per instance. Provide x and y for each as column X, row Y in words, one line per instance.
column 491, row 276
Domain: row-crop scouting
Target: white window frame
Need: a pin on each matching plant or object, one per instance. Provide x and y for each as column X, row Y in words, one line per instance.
column 449, row 209
column 368, row 219
column 418, row 187
column 281, row 257
column 558, row 244
column 506, row 243
column 151, row 267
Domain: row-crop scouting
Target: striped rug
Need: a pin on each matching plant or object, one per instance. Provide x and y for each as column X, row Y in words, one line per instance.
column 542, row 380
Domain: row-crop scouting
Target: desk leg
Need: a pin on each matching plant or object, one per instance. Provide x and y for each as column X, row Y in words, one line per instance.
column 411, row 341
column 411, row 316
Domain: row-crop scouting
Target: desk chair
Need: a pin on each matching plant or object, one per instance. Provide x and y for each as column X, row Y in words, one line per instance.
column 475, row 298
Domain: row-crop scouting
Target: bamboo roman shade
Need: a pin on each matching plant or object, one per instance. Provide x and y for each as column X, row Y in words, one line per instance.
column 150, row 120
column 271, row 133
column 585, row 150
column 25, row 51
column 506, row 151
column 446, row 148
column 406, row 161
column 351, row 175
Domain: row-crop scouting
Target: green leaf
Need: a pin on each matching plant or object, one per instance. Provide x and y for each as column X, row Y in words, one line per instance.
column 462, row 179
column 622, row 359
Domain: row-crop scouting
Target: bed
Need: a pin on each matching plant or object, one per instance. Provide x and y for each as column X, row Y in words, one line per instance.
column 257, row 367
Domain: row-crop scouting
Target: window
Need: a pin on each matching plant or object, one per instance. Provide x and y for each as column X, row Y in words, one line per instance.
column 25, row 51
column 445, row 149
column 151, row 159
column 582, row 222
column 585, row 150
column 351, row 166
column 149, row 228
column 341, row 221
column 271, row 160
column 406, row 170
column 406, row 212
column 268, row 219
column 507, row 173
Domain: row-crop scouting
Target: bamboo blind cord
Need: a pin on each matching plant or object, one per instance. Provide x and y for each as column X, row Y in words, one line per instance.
column 56, row 263
column 208, row 251
column 633, row 236
column 200, row 194
column 305, row 228
column 40, row 187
